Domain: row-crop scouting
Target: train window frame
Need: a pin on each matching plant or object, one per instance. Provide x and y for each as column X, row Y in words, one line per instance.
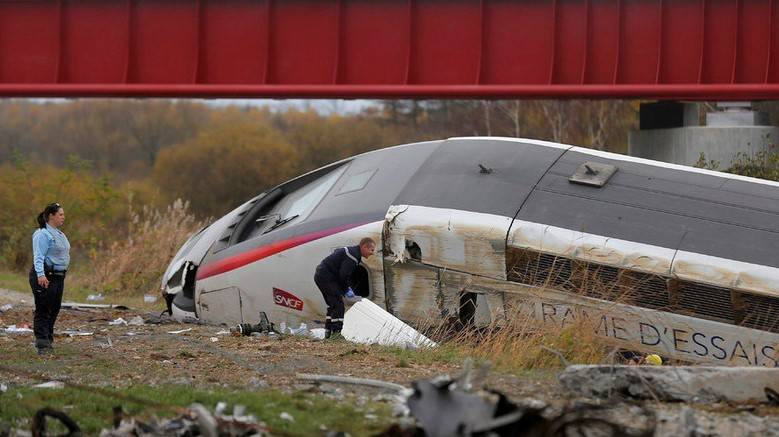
column 282, row 208
column 357, row 182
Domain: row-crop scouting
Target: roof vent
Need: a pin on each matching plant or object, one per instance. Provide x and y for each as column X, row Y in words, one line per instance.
column 594, row 174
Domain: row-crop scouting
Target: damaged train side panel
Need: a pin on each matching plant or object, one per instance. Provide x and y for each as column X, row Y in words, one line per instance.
column 434, row 257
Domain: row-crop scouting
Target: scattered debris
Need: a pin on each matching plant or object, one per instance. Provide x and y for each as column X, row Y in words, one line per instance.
column 3, row 387
column 95, row 297
column 301, row 330
column 196, row 420
column 136, row 321
column 159, row 319
column 286, row 416
column 117, row 322
column 108, row 344
column 214, row 339
column 149, row 298
column 75, row 333
column 18, row 329
column 365, row 322
column 180, row 331
column 6, row 307
column 672, row 383
column 77, row 305
column 51, row 384
column 349, row 380
column 446, row 407
column 263, row 327
column 223, row 332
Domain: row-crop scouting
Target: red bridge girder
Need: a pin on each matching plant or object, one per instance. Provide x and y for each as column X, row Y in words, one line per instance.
column 666, row 49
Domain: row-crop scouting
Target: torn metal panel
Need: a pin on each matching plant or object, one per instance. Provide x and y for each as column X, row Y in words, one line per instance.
column 458, row 240
column 495, row 305
column 591, row 248
column 412, row 290
column 420, row 292
column 451, row 286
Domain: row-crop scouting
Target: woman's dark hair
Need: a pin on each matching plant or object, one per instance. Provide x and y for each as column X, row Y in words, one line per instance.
column 50, row 209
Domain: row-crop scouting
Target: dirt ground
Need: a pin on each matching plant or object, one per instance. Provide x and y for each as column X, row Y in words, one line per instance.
column 118, row 355
column 206, row 356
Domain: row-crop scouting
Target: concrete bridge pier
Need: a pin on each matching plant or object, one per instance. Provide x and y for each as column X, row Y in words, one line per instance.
column 672, row 132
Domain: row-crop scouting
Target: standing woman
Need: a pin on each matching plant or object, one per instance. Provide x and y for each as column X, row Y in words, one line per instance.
column 51, row 257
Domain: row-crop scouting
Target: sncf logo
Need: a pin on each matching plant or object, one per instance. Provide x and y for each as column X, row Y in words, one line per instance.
column 286, row 299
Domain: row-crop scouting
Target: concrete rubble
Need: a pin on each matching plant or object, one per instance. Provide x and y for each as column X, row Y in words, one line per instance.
column 672, row 383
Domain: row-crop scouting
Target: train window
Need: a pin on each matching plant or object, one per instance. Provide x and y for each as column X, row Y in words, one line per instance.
column 295, row 206
column 356, row 182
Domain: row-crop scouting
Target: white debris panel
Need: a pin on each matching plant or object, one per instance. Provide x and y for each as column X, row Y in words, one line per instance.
column 366, row 323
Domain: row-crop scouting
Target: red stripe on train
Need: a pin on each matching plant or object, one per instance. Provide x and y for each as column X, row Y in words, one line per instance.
column 258, row 253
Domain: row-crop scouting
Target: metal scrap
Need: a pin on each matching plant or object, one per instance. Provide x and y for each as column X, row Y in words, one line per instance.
column 350, row 380
column 196, row 420
column 444, row 406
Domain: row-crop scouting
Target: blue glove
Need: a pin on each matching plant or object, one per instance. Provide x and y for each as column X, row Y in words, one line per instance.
column 349, row 293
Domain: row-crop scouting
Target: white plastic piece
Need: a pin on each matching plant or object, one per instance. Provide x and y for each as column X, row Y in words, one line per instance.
column 51, row 384
column 13, row 329
column 367, row 323
column 318, row 333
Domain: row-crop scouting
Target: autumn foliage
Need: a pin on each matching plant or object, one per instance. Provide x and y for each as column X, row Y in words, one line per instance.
column 136, row 177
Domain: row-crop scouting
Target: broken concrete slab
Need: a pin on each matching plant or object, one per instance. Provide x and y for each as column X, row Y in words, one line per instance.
column 367, row 323
column 672, row 383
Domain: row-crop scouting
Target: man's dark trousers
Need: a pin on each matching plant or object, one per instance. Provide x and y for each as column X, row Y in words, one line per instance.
column 47, row 307
column 331, row 291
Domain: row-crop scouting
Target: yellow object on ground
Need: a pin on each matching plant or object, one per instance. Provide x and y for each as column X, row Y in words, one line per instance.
column 653, row 359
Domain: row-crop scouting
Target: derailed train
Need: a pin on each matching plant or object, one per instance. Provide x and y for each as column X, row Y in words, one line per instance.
column 663, row 258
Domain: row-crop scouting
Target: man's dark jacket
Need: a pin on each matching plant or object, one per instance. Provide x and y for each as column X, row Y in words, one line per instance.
column 339, row 266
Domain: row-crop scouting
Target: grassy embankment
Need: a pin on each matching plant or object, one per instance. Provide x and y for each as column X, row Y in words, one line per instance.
column 92, row 409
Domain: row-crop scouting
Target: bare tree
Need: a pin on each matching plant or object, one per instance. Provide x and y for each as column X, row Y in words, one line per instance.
column 602, row 114
column 511, row 109
column 556, row 118
column 487, row 107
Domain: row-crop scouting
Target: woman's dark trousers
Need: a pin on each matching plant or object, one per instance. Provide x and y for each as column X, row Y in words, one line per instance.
column 47, row 307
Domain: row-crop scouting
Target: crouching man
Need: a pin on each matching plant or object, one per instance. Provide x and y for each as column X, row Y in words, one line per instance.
column 332, row 277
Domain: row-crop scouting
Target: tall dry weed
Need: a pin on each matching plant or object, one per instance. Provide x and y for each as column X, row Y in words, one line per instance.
column 135, row 265
column 521, row 342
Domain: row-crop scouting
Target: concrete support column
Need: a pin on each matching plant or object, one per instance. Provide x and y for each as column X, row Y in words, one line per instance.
column 671, row 132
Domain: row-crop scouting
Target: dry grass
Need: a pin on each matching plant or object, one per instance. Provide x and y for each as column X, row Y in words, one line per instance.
column 520, row 343
column 134, row 265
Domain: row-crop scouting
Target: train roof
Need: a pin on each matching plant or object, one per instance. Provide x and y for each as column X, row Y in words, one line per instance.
column 664, row 205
